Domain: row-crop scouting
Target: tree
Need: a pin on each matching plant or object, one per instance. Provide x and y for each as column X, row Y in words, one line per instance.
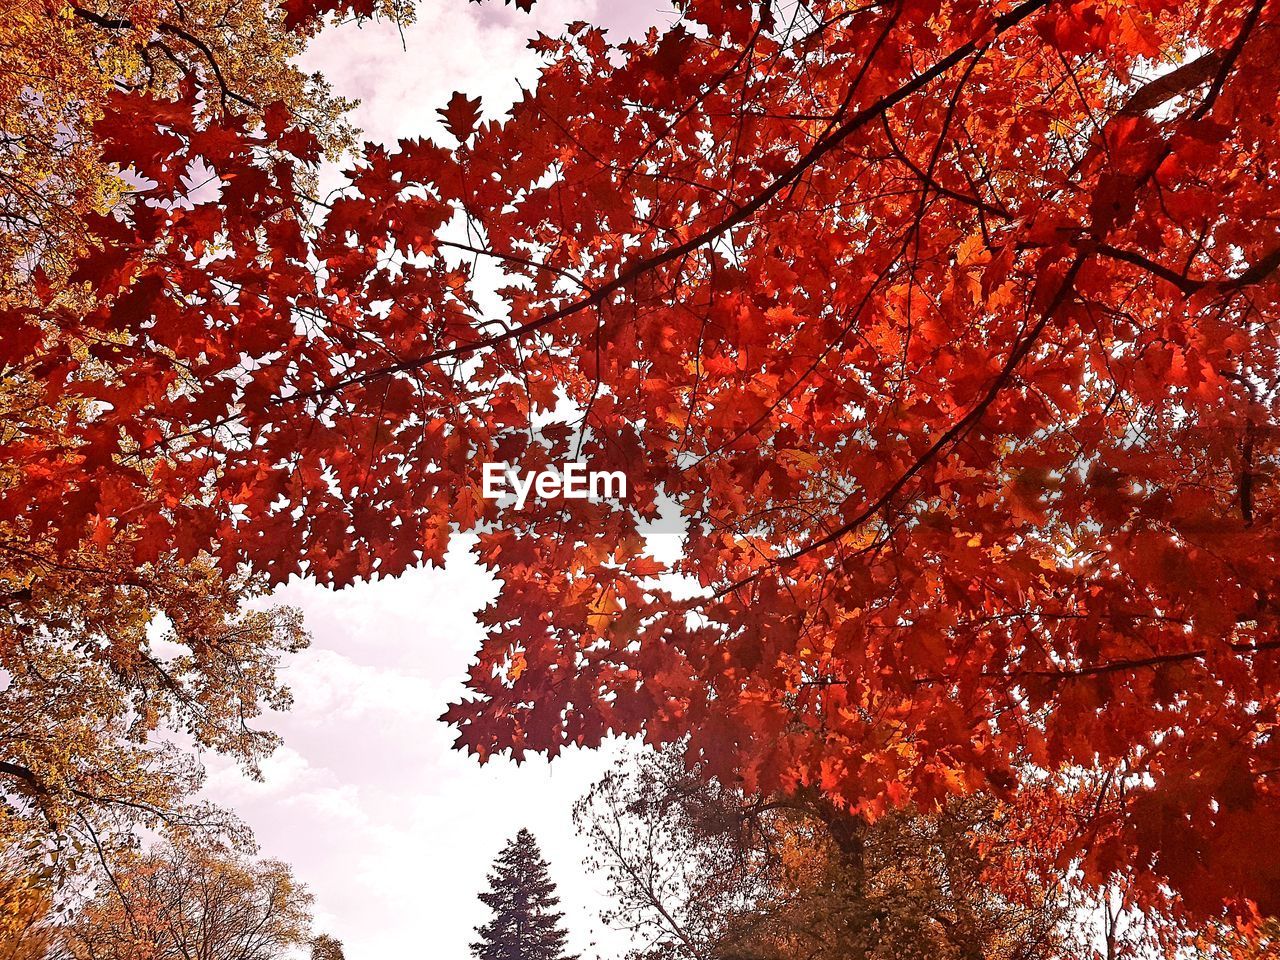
column 91, row 683
column 325, row 947
column 28, row 928
column 525, row 924
column 104, row 642
column 700, row 871
column 66, row 61
column 181, row 900
column 946, row 325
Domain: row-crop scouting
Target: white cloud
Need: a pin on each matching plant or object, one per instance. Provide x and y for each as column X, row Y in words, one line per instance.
column 481, row 51
column 284, row 772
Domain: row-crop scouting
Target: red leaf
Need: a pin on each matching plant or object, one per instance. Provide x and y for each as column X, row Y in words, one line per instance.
column 461, row 115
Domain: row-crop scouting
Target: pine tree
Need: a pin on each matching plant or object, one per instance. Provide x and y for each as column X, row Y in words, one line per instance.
column 525, row 924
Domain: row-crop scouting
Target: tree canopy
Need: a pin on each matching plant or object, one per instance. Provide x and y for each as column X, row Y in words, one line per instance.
column 180, row 901
column 697, row 870
column 945, row 326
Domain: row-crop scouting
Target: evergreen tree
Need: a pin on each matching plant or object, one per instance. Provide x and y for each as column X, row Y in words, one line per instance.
column 525, row 924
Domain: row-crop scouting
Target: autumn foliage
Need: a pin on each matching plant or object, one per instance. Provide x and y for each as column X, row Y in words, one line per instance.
column 107, row 652
column 176, row 902
column 697, row 869
column 947, row 328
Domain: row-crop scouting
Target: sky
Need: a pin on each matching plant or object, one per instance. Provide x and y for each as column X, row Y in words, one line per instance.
column 392, row 830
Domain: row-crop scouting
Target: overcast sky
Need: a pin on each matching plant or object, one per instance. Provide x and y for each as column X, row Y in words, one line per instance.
column 392, row 830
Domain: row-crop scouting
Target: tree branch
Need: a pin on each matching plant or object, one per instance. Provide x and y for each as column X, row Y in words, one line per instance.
column 740, row 215
column 120, row 23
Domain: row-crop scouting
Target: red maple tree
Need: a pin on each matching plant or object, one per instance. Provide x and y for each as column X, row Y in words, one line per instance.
column 948, row 327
